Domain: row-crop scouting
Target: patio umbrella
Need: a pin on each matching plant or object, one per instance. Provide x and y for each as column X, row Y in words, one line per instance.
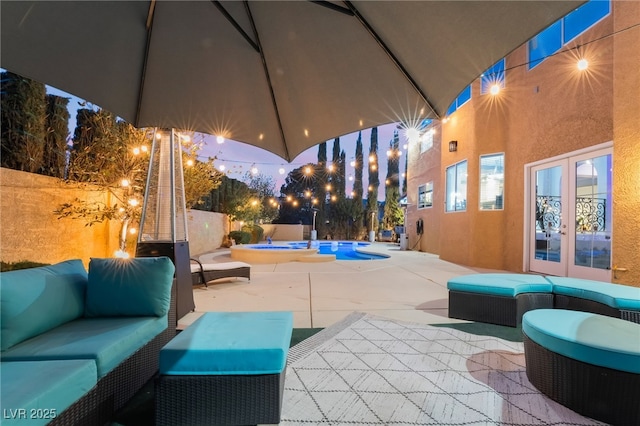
column 280, row 75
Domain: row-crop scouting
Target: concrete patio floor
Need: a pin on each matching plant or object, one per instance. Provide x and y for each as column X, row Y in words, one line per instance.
column 409, row 286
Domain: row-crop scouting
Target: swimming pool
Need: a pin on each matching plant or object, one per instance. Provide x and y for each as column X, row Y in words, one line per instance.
column 320, row 251
column 343, row 250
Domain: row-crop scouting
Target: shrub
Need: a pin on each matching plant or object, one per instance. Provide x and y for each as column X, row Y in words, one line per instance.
column 240, row 237
column 257, row 233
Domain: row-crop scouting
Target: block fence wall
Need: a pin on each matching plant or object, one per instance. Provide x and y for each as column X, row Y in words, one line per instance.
column 30, row 230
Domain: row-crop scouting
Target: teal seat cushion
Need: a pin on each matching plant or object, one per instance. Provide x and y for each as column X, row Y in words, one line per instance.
column 226, row 343
column 34, row 392
column 614, row 295
column 107, row 341
column 129, row 287
column 508, row 285
column 35, row 300
column 595, row 339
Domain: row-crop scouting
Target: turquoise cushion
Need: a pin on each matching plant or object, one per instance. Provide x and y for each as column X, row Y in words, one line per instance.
column 108, row 341
column 238, row 343
column 129, row 287
column 615, row 295
column 508, row 285
column 35, row 300
column 591, row 338
column 33, row 393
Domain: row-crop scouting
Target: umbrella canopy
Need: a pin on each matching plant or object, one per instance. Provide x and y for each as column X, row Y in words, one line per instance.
column 280, row 75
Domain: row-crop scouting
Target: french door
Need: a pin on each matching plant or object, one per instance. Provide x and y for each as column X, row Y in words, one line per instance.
column 569, row 220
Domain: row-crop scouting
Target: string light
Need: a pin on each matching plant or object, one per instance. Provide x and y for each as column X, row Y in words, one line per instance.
column 220, row 139
column 583, row 64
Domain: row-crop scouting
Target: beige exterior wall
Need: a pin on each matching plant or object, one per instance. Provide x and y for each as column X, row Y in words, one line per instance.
column 29, row 230
column 548, row 111
column 626, row 152
column 283, row 232
column 206, row 231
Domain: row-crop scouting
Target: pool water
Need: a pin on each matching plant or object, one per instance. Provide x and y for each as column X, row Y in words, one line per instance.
column 343, row 250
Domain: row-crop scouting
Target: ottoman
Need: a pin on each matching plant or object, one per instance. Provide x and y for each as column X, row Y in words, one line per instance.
column 497, row 298
column 587, row 362
column 227, row 368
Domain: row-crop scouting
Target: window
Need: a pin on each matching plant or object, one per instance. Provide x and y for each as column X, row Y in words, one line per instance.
column 492, row 182
column 493, row 76
column 456, row 185
column 426, row 141
column 425, row 195
column 578, row 21
column 566, row 29
column 545, row 43
column 462, row 98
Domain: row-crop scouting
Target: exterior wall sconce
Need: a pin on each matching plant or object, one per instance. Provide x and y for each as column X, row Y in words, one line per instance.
column 453, row 146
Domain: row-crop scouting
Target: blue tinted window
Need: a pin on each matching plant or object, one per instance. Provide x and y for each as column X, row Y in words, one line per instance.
column 463, row 97
column 494, row 75
column 583, row 17
column 545, row 43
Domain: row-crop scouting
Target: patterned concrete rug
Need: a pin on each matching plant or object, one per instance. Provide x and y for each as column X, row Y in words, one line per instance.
column 369, row 370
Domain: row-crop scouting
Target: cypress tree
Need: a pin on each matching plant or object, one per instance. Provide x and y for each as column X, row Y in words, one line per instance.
column 55, row 153
column 23, row 118
column 372, row 193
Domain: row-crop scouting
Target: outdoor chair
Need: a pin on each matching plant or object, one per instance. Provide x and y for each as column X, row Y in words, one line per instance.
column 202, row 273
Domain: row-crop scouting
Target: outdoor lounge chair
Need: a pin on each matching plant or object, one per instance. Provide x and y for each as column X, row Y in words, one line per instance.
column 202, row 273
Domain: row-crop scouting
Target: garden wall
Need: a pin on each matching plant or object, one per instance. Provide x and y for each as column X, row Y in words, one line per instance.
column 29, row 230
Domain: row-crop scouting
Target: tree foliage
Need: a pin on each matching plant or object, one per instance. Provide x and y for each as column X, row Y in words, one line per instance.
column 200, row 177
column 23, row 116
column 358, row 188
column 263, row 188
column 235, row 199
column 57, row 132
column 374, row 182
column 393, row 214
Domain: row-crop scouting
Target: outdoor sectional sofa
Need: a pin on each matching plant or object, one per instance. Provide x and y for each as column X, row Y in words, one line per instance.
column 503, row 298
column 76, row 346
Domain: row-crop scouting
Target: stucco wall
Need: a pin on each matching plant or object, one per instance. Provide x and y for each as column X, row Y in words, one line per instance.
column 282, row 232
column 206, row 231
column 550, row 110
column 29, row 230
column 626, row 152
column 422, row 169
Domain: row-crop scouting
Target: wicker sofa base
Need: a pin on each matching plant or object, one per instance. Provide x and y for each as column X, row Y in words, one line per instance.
column 219, row 400
column 572, row 303
column 494, row 309
column 598, row 392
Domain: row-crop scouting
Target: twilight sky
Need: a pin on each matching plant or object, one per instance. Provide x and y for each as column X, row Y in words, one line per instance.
column 239, row 158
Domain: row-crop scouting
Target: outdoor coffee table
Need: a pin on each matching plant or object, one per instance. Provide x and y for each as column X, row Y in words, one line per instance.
column 227, row 368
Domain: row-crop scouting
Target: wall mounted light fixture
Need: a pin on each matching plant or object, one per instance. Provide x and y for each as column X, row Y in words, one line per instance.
column 453, row 146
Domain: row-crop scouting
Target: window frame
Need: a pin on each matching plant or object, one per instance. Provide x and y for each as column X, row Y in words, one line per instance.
column 457, row 180
column 426, row 191
column 559, row 28
column 481, row 187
